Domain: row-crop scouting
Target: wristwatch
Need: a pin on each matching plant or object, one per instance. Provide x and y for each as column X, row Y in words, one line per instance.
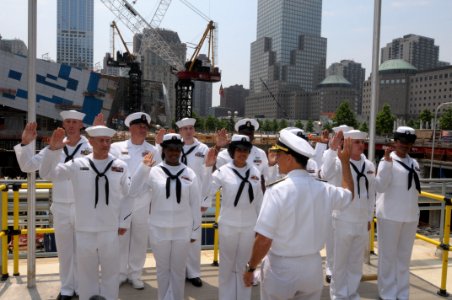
column 249, row 269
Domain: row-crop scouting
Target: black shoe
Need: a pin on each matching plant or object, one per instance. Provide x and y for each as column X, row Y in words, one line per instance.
column 195, row 281
column 63, row 297
column 328, row 278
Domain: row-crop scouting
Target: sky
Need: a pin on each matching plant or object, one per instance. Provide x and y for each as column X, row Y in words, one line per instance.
column 347, row 25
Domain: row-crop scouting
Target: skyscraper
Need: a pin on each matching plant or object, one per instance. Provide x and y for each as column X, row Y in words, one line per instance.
column 288, row 56
column 75, row 36
column 202, row 94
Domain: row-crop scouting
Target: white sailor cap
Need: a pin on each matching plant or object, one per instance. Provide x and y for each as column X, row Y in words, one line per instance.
column 405, row 134
column 100, row 130
column 137, row 118
column 297, row 131
column 171, row 139
column 343, row 128
column 72, row 114
column 240, row 138
column 290, row 142
column 186, row 122
column 246, row 124
column 355, row 135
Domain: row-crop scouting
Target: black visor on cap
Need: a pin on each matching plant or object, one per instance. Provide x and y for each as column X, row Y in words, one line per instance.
column 405, row 138
column 141, row 120
column 246, row 127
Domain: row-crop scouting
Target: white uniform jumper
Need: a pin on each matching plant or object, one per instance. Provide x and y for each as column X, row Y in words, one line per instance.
column 241, row 199
column 350, row 227
column 100, row 209
column 134, row 243
column 175, row 219
column 398, row 216
column 62, row 209
column 194, row 156
column 294, row 215
column 257, row 157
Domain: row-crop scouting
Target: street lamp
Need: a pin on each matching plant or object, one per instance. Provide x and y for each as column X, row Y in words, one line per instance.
column 434, row 135
column 231, row 117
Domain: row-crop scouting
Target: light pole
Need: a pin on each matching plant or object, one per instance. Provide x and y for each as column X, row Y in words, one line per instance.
column 231, row 117
column 434, row 135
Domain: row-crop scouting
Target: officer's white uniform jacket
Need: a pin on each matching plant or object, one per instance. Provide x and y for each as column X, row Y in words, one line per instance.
column 170, row 220
column 257, row 157
column 133, row 155
column 245, row 213
column 89, row 218
column 295, row 213
column 62, row 191
column 394, row 201
column 362, row 207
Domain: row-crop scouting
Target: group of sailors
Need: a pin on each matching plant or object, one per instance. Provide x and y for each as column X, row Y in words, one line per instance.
column 112, row 200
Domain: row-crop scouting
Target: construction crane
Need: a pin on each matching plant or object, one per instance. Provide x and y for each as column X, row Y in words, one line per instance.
column 151, row 39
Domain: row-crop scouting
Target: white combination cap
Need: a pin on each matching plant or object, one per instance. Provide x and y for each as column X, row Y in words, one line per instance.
column 243, row 124
column 172, row 138
column 72, row 114
column 100, row 130
column 297, row 131
column 294, row 143
column 343, row 128
column 186, row 122
column 240, row 138
column 405, row 130
column 355, row 135
column 137, row 118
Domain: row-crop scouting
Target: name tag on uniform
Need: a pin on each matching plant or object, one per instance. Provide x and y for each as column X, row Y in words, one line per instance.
column 124, row 152
column 370, row 172
column 85, row 152
column 254, row 177
column 199, row 154
column 84, row 169
column 257, row 161
column 117, row 169
column 186, row 178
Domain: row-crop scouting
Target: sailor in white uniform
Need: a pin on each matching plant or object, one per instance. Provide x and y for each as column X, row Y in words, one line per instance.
column 350, row 226
column 241, row 199
column 102, row 212
column 273, row 170
column 397, row 210
column 133, row 244
column 62, row 207
column 335, row 179
column 257, row 156
column 175, row 214
column 194, row 154
column 293, row 222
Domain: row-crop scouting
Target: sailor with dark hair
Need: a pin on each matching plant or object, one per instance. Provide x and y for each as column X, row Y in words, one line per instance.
column 397, row 211
column 293, row 222
column 241, row 199
column 175, row 213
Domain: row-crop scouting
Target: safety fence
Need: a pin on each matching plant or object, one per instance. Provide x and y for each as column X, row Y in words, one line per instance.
column 12, row 233
column 443, row 244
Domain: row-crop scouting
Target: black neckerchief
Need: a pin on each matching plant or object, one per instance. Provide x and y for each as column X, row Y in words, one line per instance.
column 411, row 174
column 178, row 183
column 71, row 156
column 185, row 154
column 242, row 185
column 99, row 175
column 358, row 177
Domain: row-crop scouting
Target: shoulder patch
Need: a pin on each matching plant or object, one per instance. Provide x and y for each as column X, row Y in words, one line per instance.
column 276, row 181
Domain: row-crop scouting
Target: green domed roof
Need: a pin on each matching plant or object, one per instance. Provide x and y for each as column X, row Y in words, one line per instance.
column 393, row 65
column 336, row 80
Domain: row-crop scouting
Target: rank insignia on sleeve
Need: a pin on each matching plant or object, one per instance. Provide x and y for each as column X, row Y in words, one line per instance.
column 117, row 169
column 186, row 178
column 86, row 151
column 199, row 154
column 254, row 177
column 370, row 172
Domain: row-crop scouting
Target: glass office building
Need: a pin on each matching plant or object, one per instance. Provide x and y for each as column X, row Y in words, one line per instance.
column 75, row 19
column 288, row 55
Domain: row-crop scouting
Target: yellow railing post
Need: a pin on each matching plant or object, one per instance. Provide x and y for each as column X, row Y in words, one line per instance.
column 216, row 236
column 445, row 247
column 4, row 230
column 16, row 229
column 372, row 237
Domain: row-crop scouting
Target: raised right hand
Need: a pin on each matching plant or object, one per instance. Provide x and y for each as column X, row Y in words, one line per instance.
column 56, row 140
column 148, row 159
column 30, row 133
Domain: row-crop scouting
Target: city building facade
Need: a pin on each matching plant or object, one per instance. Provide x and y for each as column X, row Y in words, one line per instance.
column 234, row 98
column 75, row 33
column 202, row 94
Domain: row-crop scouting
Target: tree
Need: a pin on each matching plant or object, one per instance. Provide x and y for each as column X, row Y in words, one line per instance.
column 266, row 125
column 426, row 116
column 299, row 124
column 364, row 127
column 413, row 123
column 210, row 123
column 445, row 121
column 327, row 126
column 385, row 121
column 310, row 126
column 274, row 125
column 344, row 115
column 282, row 124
